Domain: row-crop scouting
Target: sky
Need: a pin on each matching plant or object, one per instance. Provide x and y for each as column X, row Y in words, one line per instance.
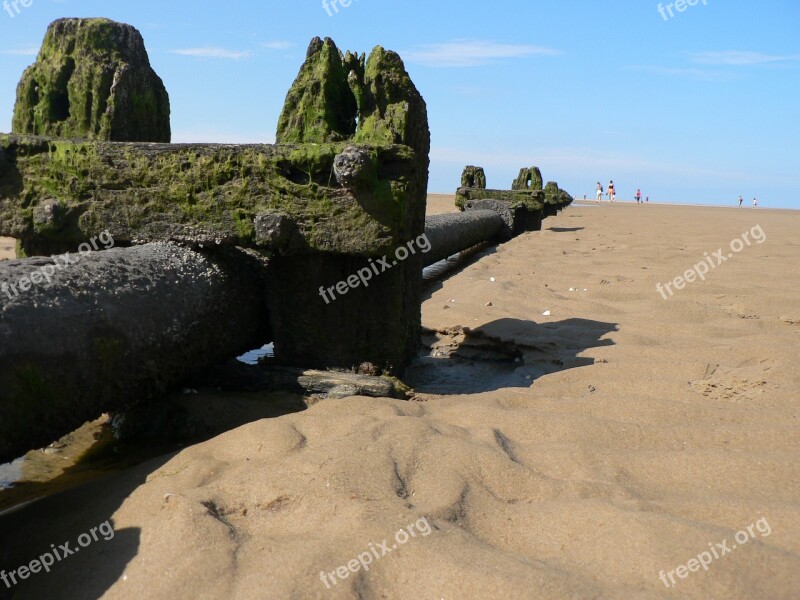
column 696, row 106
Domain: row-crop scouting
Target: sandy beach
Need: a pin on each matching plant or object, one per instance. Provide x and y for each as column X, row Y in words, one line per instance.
column 6, row 248
column 576, row 434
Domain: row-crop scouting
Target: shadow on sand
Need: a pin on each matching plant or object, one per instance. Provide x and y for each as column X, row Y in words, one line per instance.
column 565, row 229
column 30, row 530
column 507, row 353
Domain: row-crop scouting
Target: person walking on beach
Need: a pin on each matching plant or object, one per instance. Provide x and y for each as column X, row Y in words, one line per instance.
column 638, row 196
column 740, row 200
column 611, row 194
column 599, row 192
column 755, row 203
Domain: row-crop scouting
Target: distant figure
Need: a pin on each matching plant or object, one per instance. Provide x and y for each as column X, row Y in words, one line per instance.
column 638, row 196
column 755, row 203
column 599, row 192
column 611, row 193
column 647, row 199
column 740, row 200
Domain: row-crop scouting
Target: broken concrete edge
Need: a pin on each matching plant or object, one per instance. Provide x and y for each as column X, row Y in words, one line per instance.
column 328, row 383
column 523, row 198
column 528, row 179
column 337, row 97
column 280, row 198
column 521, row 210
column 473, row 177
column 92, row 79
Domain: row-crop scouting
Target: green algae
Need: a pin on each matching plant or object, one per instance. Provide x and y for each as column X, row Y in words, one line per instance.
column 202, row 193
column 92, row 79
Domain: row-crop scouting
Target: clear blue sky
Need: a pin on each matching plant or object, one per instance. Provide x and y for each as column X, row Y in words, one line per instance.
column 698, row 107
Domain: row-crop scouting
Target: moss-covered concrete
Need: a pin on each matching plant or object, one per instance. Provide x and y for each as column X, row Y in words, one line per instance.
column 392, row 110
column 320, row 224
column 372, row 101
column 528, row 179
column 320, row 106
column 68, row 191
column 515, row 198
column 555, row 195
column 92, row 79
column 473, row 177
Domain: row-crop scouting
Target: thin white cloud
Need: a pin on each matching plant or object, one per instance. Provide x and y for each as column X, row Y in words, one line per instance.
column 22, row 51
column 740, row 57
column 691, row 72
column 471, row 53
column 563, row 160
column 277, row 45
column 212, row 52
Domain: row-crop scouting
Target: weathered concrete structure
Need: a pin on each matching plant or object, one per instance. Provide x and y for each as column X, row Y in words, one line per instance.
column 116, row 327
column 219, row 248
column 473, row 177
column 528, row 179
column 316, row 208
column 280, row 198
column 523, row 208
column 452, row 233
column 92, row 79
column 555, row 198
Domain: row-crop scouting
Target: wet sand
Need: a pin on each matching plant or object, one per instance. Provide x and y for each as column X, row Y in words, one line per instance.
column 574, row 435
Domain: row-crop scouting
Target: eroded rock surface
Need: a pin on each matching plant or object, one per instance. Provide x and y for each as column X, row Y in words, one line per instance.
column 92, row 79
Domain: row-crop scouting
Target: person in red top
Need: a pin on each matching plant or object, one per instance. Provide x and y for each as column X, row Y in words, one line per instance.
column 638, row 196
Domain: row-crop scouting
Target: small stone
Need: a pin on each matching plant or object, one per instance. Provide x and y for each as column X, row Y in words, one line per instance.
column 492, row 279
column 546, row 313
column 489, row 304
column 446, row 306
column 352, row 166
column 367, row 368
